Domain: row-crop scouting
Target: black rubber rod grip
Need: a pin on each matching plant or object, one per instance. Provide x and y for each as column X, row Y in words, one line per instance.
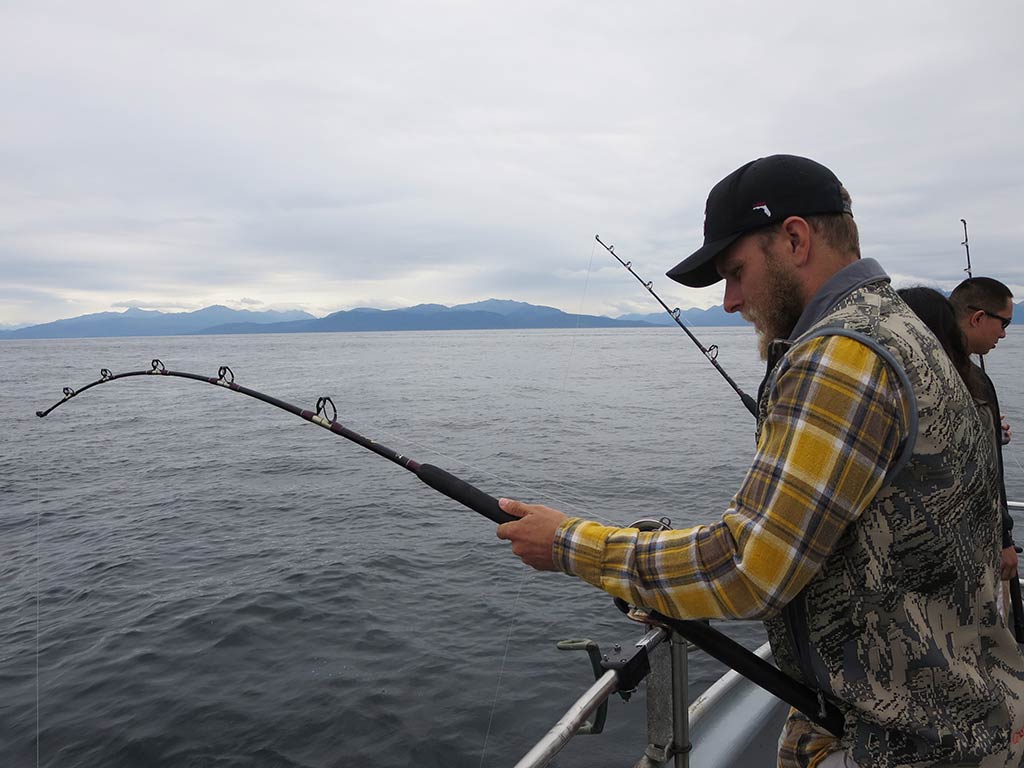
column 463, row 492
column 749, row 402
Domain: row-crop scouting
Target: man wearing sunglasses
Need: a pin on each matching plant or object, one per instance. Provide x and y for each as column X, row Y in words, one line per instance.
column 984, row 307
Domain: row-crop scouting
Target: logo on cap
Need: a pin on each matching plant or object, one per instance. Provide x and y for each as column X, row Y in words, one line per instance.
column 762, row 207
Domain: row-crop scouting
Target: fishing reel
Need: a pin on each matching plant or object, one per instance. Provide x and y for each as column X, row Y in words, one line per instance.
column 632, row 612
column 633, row 665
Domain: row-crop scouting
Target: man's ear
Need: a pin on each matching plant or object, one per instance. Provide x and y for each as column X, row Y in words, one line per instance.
column 796, row 232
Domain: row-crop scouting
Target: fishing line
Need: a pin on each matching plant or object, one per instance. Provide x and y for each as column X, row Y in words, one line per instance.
column 1016, row 460
column 554, row 498
column 39, row 515
column 325, row 415
column 579, row 317
column 526, row 573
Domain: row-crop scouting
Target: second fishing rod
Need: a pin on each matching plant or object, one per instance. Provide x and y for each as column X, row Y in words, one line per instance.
column 711, row 353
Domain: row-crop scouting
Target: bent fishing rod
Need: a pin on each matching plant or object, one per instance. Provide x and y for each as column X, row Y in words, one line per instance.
column 711, row 353
column 701, row 635
column 437, row 478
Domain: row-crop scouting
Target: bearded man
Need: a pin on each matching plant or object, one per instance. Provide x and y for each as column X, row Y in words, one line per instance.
column 865, row 532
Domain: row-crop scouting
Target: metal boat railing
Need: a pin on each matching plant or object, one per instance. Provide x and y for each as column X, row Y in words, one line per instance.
column 665, row 666
column 612, row 681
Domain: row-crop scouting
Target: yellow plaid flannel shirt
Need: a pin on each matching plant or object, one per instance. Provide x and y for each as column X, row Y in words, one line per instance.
column 835, row 420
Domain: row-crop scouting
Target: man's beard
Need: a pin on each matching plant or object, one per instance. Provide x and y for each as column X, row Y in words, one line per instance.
column 781, row 308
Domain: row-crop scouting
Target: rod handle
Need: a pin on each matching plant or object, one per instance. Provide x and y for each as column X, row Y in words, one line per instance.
column 464, row 493
column 748, row 401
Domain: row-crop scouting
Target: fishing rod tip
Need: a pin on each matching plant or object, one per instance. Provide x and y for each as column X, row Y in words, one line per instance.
column 40, row 414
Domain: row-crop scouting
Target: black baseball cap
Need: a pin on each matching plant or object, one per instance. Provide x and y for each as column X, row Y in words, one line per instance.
column 763, row 192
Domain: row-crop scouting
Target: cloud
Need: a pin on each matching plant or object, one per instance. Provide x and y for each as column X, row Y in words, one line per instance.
column 343, row 153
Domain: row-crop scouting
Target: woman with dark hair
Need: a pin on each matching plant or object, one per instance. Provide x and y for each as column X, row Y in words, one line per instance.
column 938, row 314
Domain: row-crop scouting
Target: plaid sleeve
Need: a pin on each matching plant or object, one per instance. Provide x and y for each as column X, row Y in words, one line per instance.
column 836, row 418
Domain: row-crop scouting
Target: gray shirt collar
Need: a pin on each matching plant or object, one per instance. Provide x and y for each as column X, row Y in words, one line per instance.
column 836, row 288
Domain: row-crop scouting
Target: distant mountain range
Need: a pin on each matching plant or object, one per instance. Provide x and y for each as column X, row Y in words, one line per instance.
column 142, row 322
column 480, row 315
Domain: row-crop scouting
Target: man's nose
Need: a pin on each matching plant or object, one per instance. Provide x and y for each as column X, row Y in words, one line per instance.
column 732, row 301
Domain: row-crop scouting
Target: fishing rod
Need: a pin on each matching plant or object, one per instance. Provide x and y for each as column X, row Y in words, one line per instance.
column 437, row 478
column 967, row 248
column 701, row 635
column 711, row 353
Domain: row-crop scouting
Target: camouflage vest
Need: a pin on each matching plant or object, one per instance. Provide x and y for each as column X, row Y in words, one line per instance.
column 900, row 627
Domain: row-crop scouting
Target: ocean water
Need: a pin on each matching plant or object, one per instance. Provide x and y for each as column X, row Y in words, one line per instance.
column 189, row 577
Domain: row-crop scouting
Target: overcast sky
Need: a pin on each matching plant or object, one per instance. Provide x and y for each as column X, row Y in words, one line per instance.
column 328, row 155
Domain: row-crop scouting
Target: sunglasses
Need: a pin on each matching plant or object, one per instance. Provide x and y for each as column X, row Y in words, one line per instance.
column 1004, row 320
